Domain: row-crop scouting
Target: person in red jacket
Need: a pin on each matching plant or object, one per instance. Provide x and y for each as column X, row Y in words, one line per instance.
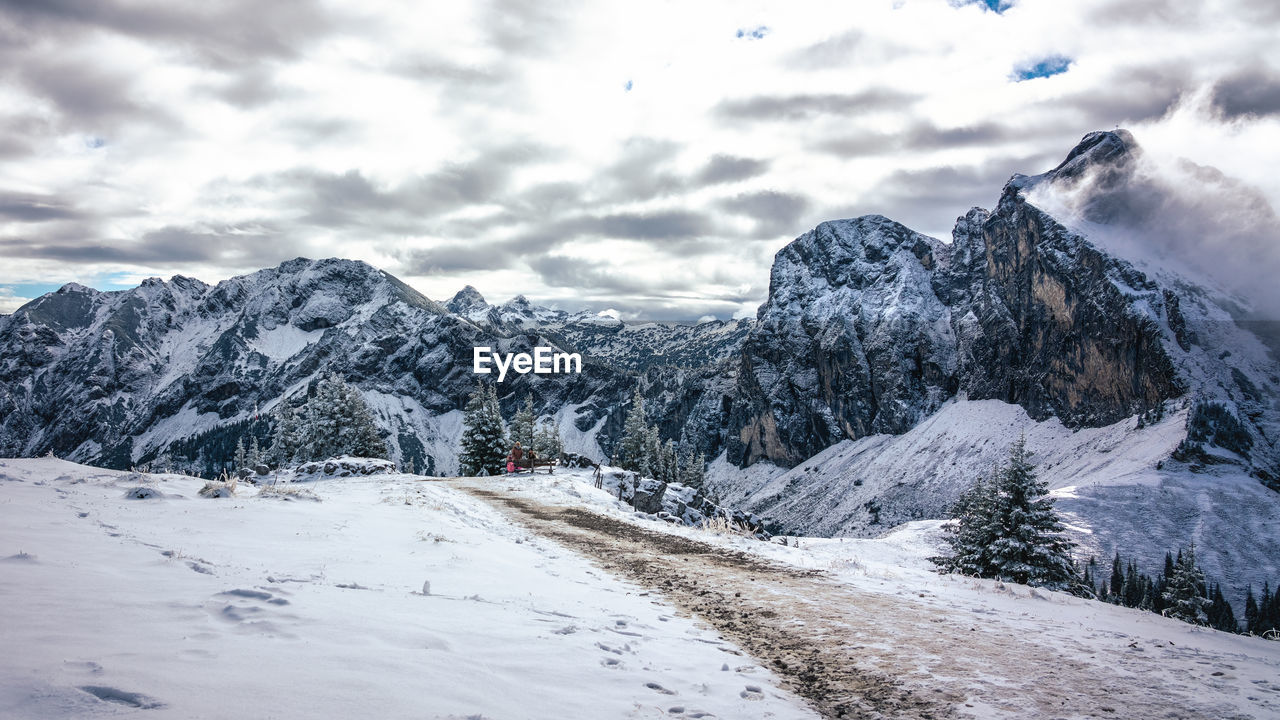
column 517, row 455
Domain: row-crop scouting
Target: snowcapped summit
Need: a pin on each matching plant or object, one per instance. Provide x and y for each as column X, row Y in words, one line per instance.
column 467, row 301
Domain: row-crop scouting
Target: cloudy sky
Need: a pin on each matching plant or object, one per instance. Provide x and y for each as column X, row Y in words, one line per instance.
column 648, row 157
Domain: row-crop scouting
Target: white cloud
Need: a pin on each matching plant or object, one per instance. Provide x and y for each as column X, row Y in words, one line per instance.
column 507, row 127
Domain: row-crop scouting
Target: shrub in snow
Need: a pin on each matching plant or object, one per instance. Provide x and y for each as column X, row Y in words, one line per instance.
column 345, row 467
column 143, row 493
column 219, row 488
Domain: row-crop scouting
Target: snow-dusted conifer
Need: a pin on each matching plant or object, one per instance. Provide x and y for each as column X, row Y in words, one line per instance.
column 546, row 440
column 484, row 441
column 670, row 464
column 523, row 426
column 1184, row 593
column 255, row 452
column 1008, row 529
column 339, row 422
column 635, row 433
column 652, row 452
column 285, row 434
column 239, row 459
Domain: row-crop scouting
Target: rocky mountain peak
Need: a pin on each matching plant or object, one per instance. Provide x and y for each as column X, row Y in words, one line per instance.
column 466, row 301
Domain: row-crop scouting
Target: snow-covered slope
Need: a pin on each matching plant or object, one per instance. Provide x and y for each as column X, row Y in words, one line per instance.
column 378, row 596
column 1116, row 486
column 385, row 596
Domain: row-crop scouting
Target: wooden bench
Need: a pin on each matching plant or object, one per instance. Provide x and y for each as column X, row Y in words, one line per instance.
column 536, row 463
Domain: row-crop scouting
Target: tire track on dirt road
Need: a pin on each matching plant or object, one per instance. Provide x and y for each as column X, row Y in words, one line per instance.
column 852, row 653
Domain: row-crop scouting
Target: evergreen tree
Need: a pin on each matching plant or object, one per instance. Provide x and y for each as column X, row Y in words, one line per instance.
column 285, row 434
column 522, row 427
column 484, row 441
column 635, row 433
column 339, row 422
column 652, row 452
column 255, row 452
column 698, row 475
column 1184, row 595
column 670, row 465
column 973, row 532
column 546, row 440
column 408, row 467
column 687, row 474
column 1220, row 615
column 239, row 459
column 1250, row 611
column 1009, row 530
column 1117, row 580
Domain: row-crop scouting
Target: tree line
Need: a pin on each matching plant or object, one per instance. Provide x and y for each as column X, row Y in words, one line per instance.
column 486, row 441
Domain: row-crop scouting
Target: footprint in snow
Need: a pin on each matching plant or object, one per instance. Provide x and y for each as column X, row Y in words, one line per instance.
column 122, row 697
column 752, row 692
column 658, row 688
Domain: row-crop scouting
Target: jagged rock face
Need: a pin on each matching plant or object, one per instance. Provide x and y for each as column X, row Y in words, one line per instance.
column 851, row 341
column 869, row 327
column 1042, row 322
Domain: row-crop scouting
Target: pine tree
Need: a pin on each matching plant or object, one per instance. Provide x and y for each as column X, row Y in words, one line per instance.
column 239, row 459
column 686, row 473
column 1184, row 595
column 1117, row 580
column 285, row 434
column 670, row 464
column 522, row 427
column 973, row 532
column 255, row 453
column 698, row 474
column 652, row 452
column 1008, row 529
column 546, row 440
column 1250, row 611
column 1220, row 615
column 484, row 441
column 635, row 433
column 338, row 422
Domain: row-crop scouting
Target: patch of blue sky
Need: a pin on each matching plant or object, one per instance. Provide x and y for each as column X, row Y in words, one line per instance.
column 1045, row 67
column 627, row 87
column 995, row 6
column 756, row 33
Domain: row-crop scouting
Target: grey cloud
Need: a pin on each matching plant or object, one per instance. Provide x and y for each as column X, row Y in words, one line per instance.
column 28, row 208
column 727, row 168
column 794, row 107
column 662, row 225
column 525, row 28
column 221, row 34
column 1128, row 95
column 931, row 199
column 447, row 258
column 559, row 271
column 88, row 96
column 1253, row 92
column 1147, row 12
column 840, row 51
column 775, row 213
column 237, row 245
column 927, row 136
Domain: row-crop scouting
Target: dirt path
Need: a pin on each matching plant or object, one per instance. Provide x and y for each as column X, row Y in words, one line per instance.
column 857, row 654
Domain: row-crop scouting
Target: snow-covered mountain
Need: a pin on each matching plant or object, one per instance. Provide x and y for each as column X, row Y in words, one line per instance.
column 119, row 378
column 884, row 370
column 888, row 370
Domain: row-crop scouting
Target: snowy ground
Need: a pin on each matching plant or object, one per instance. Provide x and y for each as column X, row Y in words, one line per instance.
column 180, row 606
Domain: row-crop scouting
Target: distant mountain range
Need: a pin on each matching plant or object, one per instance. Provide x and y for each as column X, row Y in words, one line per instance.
column 870, row 332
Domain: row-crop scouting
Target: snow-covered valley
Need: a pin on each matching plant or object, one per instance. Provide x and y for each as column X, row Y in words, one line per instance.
column 391, row 596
